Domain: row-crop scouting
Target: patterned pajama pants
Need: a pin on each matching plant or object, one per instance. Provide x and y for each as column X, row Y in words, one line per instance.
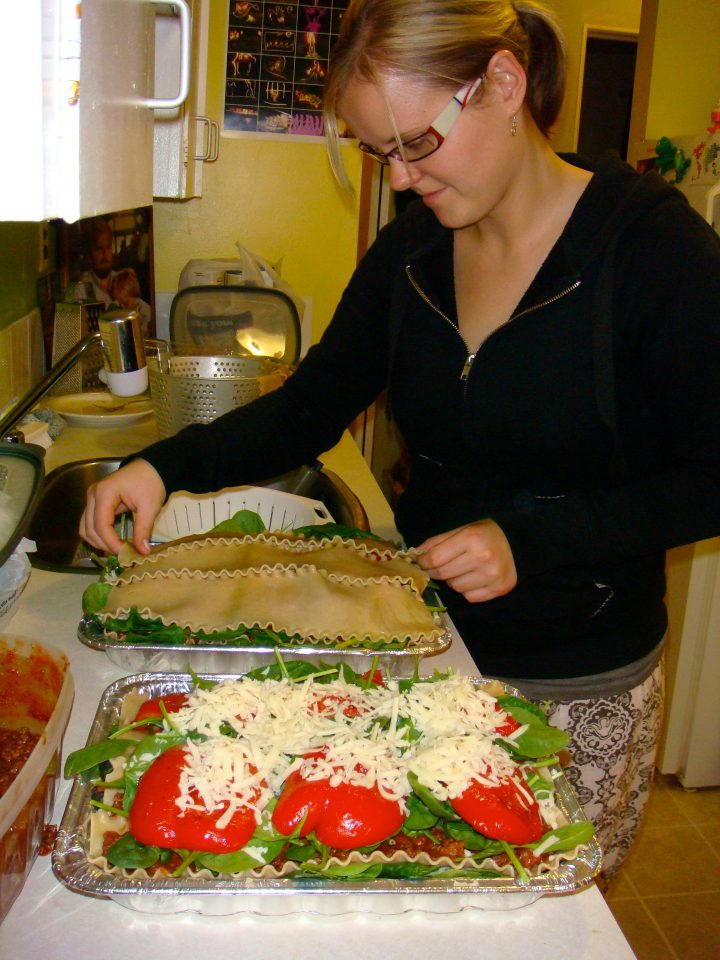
column 613, row 741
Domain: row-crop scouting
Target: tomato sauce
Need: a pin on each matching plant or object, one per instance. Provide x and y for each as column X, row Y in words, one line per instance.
column 15, row 748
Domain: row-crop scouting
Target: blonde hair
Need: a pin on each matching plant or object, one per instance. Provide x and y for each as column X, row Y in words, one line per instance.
column 444, row 43
column 125, row 283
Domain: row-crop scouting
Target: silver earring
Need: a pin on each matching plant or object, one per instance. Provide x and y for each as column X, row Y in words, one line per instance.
column 513, row 125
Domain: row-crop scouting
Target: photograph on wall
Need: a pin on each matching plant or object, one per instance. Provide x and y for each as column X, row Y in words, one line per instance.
column 109, row 259
column 277, row 61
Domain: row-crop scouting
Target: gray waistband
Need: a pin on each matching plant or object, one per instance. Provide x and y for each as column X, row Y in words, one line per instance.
column 595, row 685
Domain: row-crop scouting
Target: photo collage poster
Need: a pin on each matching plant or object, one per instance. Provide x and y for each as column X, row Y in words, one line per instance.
column 277, row 61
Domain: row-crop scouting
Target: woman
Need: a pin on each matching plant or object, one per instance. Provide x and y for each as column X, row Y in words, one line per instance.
column 547, row 335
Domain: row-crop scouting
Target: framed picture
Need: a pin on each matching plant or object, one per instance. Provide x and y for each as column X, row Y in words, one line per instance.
column 276, row 63
column 109, row 259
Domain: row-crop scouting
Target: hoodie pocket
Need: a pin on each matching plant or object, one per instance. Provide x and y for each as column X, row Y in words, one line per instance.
column 561, row 601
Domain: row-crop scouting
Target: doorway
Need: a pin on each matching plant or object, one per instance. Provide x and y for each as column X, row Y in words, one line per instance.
column 605, row 99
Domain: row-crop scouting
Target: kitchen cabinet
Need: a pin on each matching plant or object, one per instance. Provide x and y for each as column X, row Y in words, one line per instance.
column 78, row 103
column 184, row 138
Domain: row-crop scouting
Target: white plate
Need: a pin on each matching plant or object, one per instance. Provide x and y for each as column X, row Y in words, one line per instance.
column 100, row 409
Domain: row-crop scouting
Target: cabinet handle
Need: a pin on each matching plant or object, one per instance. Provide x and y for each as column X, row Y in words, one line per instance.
column 211, row 140
column 163, row 103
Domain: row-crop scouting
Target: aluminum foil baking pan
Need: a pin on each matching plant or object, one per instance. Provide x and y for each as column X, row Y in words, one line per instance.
column 288, row 895
column 221, row 658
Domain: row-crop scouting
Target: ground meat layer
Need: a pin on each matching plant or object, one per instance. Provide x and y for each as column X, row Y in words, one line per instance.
column 15, row 748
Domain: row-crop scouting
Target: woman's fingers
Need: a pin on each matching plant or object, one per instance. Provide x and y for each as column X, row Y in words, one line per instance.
column 136, row 487
column 475, row 560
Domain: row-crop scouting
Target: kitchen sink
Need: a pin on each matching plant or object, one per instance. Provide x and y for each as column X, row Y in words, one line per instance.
column 54, row 526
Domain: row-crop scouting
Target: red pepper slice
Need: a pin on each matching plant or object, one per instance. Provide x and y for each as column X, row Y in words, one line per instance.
column 357, row 816
column 503, row 812
column 508, row 726
column 156, row 820
column 301, row 801
column 326, row 704
column 345, row 816
column 377, row 679
column 333, row 704
column 150, row 709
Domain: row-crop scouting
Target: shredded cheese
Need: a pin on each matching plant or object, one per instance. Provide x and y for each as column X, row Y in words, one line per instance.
column 343, row 733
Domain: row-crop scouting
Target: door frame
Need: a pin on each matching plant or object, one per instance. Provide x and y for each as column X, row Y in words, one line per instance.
column 595, row 32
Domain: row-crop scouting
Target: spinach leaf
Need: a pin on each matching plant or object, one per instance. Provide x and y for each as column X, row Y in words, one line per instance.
column 95, row 597
column 421, row 871
column 469, row 873
column 441, row 808
column 540, row 739
column 540, row 787
column 471, row 839
column 144, row 630
column 537, row 741
column 242, row 522
column 277, row 671
column 200, row 683
column 435, row 676
column 418, row 815
column 407, row 871
column 568, row 836
column 252, row 855
column 510, row 704
column 172, row 635
column 300, row 852
column 129, row 853
column 344, row 871
column 86, row 758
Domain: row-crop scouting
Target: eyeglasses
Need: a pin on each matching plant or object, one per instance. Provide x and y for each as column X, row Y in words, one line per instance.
column 420, row 147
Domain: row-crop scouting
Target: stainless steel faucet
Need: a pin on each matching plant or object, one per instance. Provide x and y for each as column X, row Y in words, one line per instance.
column 56, row 373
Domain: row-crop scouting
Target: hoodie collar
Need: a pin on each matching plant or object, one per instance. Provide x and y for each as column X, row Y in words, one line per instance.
column 615, row 197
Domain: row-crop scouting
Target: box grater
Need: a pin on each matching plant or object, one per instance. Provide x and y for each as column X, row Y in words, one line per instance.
column 73, row 321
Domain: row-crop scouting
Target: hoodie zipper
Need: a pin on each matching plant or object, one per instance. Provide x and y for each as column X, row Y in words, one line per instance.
column 470, row 355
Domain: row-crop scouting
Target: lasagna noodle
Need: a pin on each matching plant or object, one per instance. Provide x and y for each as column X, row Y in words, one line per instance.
column 343, row 559
column 305, row 601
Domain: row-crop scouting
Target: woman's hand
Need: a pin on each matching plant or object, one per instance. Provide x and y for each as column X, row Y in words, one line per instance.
column 137, row 488
column 475, row 560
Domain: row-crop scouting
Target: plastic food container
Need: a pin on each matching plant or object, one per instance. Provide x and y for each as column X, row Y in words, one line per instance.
column 14, row 575
column 36, row 693
column 21, row 472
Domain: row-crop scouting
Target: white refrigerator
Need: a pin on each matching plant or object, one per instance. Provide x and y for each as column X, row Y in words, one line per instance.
column 691, row 740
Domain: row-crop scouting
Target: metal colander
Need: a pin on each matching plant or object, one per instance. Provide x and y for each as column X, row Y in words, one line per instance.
column 197, row 389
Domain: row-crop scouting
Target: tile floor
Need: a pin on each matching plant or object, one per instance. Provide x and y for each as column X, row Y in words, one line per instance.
column 666, row 898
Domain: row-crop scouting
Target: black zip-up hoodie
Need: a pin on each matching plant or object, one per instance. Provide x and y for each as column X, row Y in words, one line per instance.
column 587, row 426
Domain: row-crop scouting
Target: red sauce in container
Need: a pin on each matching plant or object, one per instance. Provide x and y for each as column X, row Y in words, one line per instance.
column 35, row 701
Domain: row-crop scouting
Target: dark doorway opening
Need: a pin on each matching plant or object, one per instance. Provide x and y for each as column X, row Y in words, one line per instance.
column 607, row 92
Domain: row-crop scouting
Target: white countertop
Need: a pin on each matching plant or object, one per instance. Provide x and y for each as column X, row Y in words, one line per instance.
column 48, row 922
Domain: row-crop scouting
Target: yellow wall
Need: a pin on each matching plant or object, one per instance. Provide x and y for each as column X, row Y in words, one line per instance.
column 277, row 198
column 572, row 15
column 685, row 76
